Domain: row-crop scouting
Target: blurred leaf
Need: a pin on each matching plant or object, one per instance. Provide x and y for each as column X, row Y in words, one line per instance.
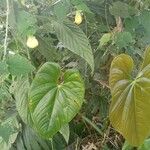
column 127, row 146
column 18, row 65
column 123, row 39
column 144, row 19
column 26, row 23
column 29, row 140
column 131, row 24
column 4, row 92
column 105, row 39
column 8, row 131
column 5, row 132
column 3, row 68
column 61, row 9
column 81, row 5
column 21, row 22
column 145, row 145
column 119, row 9
column 48, row 49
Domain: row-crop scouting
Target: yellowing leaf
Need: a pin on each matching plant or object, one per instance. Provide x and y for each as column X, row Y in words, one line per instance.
column 130, row 107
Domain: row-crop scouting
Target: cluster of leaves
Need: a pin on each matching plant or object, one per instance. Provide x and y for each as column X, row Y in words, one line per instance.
column 43, row 89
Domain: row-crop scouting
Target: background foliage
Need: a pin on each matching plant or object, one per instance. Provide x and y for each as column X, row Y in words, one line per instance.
column 108, row 28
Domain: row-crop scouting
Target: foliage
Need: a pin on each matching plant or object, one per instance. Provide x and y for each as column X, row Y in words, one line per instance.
column 56, row 58
column 55, row 97
column 129, row 110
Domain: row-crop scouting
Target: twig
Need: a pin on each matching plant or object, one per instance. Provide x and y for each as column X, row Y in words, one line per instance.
column 103, row 83
column 6, row 32
column 119, row 27
column 92, row 125
column 76, row 146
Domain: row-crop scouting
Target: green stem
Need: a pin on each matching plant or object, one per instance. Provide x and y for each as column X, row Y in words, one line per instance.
column 93, row 125
column 52, row 144
column 6, row 32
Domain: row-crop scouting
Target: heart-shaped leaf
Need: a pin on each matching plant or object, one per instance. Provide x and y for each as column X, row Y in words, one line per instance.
column 55, row 98
column 130, row 106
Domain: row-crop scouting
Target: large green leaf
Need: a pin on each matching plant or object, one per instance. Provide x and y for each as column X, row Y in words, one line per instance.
column 75, row 40
column 55, row 98
column 130, row 106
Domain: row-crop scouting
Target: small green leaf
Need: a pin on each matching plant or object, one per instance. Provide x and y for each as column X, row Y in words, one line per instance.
column 131, row 24
column 55, row 97
column 21, row 22
column 129, row 111
column 9, row 130
column 4, row 92
column 18, row 65
column 81, row 5
column 105, row 39
column 123, row 39
column 5, row 132
column 60, row 9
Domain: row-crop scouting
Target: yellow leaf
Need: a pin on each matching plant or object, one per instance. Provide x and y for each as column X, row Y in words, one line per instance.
column 129, row 111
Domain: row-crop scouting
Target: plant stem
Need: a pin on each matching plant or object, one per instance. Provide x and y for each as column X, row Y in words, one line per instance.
column 6, row 31
column 93, row 125
column 52, row 144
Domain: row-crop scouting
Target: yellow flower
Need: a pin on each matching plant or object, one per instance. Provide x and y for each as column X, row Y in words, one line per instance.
column 78, row 18
column 32, row 42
